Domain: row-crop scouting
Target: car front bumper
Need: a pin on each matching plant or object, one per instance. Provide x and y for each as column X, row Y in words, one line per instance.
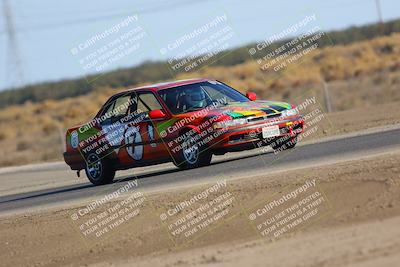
column 234, row 139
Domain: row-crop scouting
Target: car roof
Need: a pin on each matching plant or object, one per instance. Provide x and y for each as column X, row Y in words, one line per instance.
column 171, row 84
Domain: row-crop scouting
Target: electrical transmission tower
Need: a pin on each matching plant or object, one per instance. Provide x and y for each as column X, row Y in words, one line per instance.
column 14, row 71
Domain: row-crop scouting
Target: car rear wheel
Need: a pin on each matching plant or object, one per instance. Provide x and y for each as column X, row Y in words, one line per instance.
column 98, row 170
column 192, row 154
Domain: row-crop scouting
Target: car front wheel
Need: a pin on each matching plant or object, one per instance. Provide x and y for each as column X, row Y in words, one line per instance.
column 192, row 154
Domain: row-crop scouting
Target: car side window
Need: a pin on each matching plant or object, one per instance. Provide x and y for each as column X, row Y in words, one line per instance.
column 121, row 106
column 170, row 98
column 117, row 108
column 146, row 101
column 108, row 108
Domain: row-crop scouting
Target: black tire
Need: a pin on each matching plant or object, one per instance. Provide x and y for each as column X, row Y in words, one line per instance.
column 99, row 171
column 287, row 144
column 201, row 155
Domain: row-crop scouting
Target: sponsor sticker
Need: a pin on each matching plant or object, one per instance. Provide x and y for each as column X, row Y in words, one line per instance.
column 74, row 139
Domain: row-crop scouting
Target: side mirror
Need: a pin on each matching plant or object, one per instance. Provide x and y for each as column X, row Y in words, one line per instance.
column 251, row 95
column 156, row 114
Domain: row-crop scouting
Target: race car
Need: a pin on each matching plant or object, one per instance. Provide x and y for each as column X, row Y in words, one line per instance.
column 185, row 122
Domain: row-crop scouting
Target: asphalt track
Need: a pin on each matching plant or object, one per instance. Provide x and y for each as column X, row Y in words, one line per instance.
column 167, row 176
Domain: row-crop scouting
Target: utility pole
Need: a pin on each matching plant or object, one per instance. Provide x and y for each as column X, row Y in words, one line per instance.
column 379, row 11
column 327, row 98
column 13, row 63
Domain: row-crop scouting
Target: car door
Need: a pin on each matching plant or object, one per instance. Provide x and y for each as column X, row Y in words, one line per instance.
column 142, row 144
column 113, row 125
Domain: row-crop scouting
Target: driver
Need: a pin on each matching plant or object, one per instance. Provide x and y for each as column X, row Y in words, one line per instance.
column 195, row 98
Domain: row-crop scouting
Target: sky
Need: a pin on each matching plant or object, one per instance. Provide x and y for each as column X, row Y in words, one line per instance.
column 47, row 31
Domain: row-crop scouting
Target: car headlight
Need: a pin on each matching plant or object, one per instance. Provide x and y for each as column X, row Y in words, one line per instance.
column 289, row 112
column 229, row 123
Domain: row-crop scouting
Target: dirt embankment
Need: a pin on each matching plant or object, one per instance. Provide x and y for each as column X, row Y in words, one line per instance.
column 356, row 224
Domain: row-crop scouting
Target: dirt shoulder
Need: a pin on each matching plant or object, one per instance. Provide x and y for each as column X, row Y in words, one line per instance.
column 360, row 199
column 364, row 118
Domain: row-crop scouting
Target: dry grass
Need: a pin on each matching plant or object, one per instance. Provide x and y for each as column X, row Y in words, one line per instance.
column 357, row 61
column 359, row 75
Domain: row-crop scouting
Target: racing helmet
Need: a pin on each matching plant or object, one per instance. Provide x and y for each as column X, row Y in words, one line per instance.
column 195, row 98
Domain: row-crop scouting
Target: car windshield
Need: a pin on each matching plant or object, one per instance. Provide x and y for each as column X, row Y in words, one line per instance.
column 197, row 96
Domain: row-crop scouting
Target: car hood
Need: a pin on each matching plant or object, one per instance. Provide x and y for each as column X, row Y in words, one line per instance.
column 252, row 108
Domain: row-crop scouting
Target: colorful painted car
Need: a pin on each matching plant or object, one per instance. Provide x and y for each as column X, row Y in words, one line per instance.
column 184, row 122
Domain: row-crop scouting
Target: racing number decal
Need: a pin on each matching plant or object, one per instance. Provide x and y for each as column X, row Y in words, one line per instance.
column 132, row 136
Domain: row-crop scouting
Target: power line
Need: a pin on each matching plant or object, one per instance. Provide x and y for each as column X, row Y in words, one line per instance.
column 165, row 6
